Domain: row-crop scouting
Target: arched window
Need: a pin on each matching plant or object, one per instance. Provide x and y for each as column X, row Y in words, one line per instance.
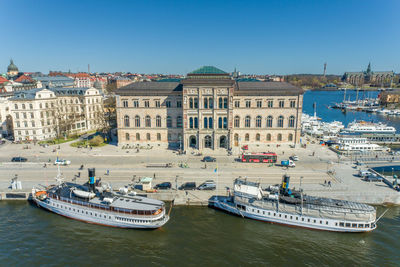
column 220, row 122
column 279, row 137
column 237, row 122
column 290, row 138
column 196, row 123
column 225, row 102
column 205, row 102
column 225, row 122
column 210, row 123
column 211, row 102
column 158, row 137
column 268, row 137
column 291, row 121
column 127, row 137
column 247, row 122
column 169, row 122
column 196, row 102
column 179, row 122
column 158, row 121
column 220, row 102
column 191, row 123
column 190, row 102
column 280, row 121
column 137, row 121
column 138, row 137
column 258, row 121
column 205, row 123
column 126, row 121
column 148, row 121
column 246, row 137
column 269, row 121
column 257, row 137
column 148, row 137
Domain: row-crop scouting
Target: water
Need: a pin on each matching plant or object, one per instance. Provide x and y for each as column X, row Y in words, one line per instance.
column 325, row 98
column 194, row 236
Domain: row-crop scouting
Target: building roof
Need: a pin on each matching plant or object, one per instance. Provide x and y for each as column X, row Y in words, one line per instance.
column 31, row 94
column 208, row 70
column 266, row 88
column 55, row 81
column 3, row 80
column 24, row 79
column 150, row 88
column 12, row 66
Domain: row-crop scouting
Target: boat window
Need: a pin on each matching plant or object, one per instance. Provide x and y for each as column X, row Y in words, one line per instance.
column 274, row 214
column 302, row 219
column 320, row 222
column 315, row 221
column 361, row 226
column 269, row 213
column 253, row 210
column 291, row 217
column 341, row 224
column 354, row 225
column 336, row 224
column 285, row 216
column 264, row 212
column 297, row 218
column 109, row 217
column 326, row 222
column 280, row 215
column 86, row 212
column 347, row 224
column 308, row 220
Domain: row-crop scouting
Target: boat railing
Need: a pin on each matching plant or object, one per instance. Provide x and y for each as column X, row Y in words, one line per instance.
column 154, row 213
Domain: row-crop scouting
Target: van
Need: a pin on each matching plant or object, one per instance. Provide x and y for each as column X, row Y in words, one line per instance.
column 207, row 185
column 364, row 173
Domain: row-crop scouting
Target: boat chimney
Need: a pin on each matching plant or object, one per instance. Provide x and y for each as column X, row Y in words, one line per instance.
column 285, row 184
column 91, row 179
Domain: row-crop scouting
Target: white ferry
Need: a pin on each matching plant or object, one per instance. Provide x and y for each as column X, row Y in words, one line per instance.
column 357, row 144
column 368, row 127
column 281, row 205
column 99, row 205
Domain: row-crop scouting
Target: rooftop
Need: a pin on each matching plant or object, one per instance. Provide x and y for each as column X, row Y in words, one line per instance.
column 208, row 70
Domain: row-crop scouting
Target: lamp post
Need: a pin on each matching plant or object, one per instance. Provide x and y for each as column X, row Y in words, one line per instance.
column 176, row 182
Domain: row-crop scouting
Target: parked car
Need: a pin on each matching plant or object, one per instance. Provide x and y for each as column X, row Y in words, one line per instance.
column 19, row 159
column 288, row 163
column 188, row 186
column 294, row 158
column 165, row 185
column 373, row 178
column 207, row 185
column 364, row 173
column 62, row 162
column 209, row 159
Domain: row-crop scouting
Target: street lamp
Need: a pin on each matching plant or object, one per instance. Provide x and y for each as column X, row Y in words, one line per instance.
column 176, row 182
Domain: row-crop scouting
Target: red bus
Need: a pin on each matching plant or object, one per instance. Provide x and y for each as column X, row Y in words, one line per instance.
column 264, row 157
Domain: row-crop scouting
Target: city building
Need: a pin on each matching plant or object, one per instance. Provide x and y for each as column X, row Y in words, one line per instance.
column 55, row 81
column 209, row 109
column 12, row 70
column 376, row 78
column 41, row 113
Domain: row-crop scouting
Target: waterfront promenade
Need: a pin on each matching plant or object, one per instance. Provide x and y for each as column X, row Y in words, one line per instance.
column 317, row 164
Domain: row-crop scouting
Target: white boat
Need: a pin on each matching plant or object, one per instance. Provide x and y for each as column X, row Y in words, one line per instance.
column 360, row 144
column 100, row 205
column 281, row 205
column 368, row 127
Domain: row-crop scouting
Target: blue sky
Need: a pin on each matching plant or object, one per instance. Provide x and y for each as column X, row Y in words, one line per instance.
column 263, row 37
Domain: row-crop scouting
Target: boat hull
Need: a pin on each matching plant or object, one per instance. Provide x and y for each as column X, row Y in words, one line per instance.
column 83, row 214
column 287, row 219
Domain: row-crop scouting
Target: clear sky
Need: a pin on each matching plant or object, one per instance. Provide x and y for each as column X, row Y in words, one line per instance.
column 263, row 37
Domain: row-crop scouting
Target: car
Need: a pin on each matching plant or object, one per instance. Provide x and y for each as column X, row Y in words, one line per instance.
column 19, row 159
column 207, row 185
column 294, row 158
column 373, row 178
column 209, row 159
column 62, row 162
column 188, row 186
column 165, row 185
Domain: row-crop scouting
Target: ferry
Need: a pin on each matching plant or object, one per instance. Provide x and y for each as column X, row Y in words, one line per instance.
column 368, row 127
column 96, row 203
column 281, row 205
column 357, row 144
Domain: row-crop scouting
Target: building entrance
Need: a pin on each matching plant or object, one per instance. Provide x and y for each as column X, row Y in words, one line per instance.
column 222, row 141
column 208, row 142
column 193, row 141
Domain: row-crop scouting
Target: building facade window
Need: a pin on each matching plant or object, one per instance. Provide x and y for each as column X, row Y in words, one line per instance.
column 190, row 102
column 237, row 104
column 268, row 137
column 125, row 103
column 210, row 123
column 178, row 103
column 148, row 121
column 135, row 103
column 247, row 122
column 191, row 123
column 126, row 121
column 258, row 121
column 281, row 103
column 146, row 103
column 246, row 137
column 158, row 121
column 259, row 103
column 179, row 122
column 168, row 104
column 205, row 123
column 210, row 102
column 225, row 122
column 225, row 102
column 148, row 137
column 205, row 102
column 280, row 121
column 237, row 122
column 220, row 102
column 269, row 121
column 158, row 137
column 138, row 137
column 220, row 122
column 292, row 103
column 157, row 102
column 196, row 123
column 279, row 137
column 196, row 102
column 248, row 104
column 137, row 121
column 290, row 137
column 169, row 122
column 291, row 121
column 127, row 137
column 258, row 137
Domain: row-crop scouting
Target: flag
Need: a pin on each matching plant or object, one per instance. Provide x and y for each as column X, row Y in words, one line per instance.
column 216, row 169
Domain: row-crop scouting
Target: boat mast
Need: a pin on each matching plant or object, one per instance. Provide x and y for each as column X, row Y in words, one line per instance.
column 301, row 196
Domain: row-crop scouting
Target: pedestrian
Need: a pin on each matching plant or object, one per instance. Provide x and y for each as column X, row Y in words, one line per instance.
column 79, row 174
column 205, row 165
column 325, row 183
column 313, row 153
column 154, row 176
column 329, row 184
column 283, row 152
column 108, row 172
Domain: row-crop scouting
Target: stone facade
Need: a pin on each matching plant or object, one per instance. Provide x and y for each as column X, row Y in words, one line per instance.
column 209, row 110
column 378, row 78
column 41, row 114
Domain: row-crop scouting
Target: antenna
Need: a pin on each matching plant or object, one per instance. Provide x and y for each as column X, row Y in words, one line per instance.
column 88, row 68
column 325, row 68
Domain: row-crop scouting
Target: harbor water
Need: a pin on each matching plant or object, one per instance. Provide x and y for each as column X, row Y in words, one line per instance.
column 195, row 236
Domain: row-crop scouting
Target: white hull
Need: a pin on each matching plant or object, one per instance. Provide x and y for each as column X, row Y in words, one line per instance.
column 290, row 219
column 101, row 217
